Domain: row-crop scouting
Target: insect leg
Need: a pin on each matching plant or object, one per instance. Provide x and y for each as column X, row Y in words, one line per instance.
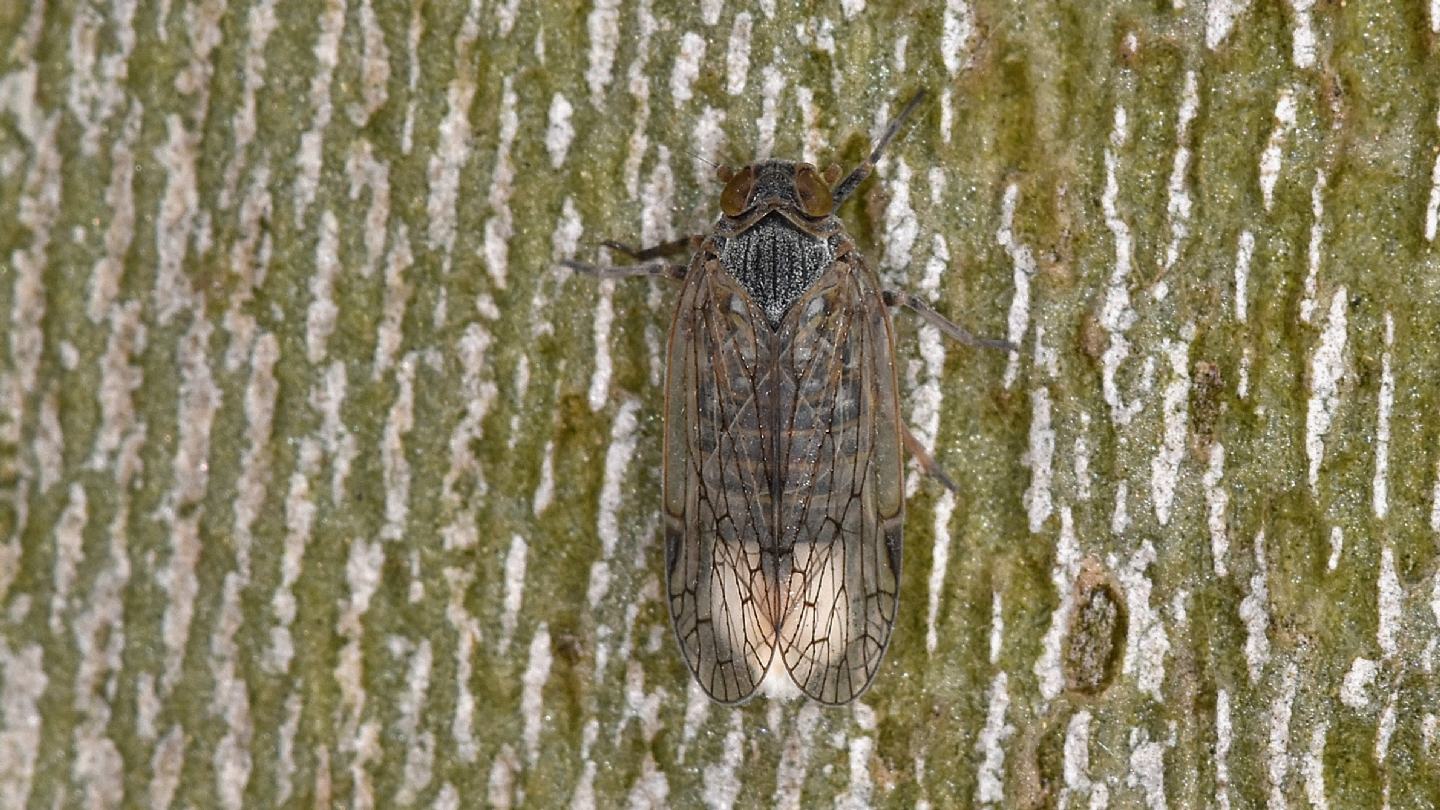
column 927, row 462
column 854, row 178
column 947, row 327
column 674, row 247
column 656, row 269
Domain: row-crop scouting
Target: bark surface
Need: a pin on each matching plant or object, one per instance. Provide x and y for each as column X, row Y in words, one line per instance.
column 321, row 484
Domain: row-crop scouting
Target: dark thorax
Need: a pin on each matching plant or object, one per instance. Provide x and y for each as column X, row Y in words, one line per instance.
column 770, row 243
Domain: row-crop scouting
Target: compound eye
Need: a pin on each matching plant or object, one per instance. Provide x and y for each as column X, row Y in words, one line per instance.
column 736, row 196
column 812, row 192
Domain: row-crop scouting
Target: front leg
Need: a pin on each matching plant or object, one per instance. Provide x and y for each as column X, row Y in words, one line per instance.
column 675, row 247
column 652, row 269
column 952, row 330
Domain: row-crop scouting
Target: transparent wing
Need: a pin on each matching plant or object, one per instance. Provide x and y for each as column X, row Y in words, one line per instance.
column 718, row 489
column 842, row 506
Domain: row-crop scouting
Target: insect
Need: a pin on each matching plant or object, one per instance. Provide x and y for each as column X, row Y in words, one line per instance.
column 783, row 478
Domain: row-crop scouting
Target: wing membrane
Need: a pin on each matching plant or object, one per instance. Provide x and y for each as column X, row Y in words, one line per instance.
column 782, row 484
column 842, row 505
column 718, row 491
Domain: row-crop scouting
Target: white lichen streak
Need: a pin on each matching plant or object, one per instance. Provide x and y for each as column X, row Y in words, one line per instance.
column 722, row 779
column 560, row 132
column 617, row 463
column 232, row 758
column 772, row 85
column 418, row 741
column 365, row 170
column 902, row 227
column 1223, row 738
column 957, row 26
column 1302, row 51
column 990, row 787
column 1355, row 686
column 175, row 219
column 795, row 757
column 1077, row 758
column 1337, row 546
column 69, row 553
column 997, row 627
column 656, row 226
column 603, row 24
column 925, row 394
column 503, row 793
column 501, row 224
column 1116, row 313
column 309, row 156
column 1039, row 458
column 390, row 332
column 1380, row 487
column 1313, row 766
column 1220, row 16
column 737, row 55
column 22, row 683
column 1179, row 204
column 1022, row 262
column 1385, row 731
column 532, row 685
column 300, row 511
column 454, row 138
column 1314, row 252
column 1120, row 518
column 1146, row 643
column 374, row 67
column 859, row 794
column 940, row 563
column 1048, row 671
column 545, row 490
column 412, row 54
column 183, row 506
column 583, row 797
column 322, row 312
column 1244, row 252
column 1278, row 750
column 638, row 83
column 394, row 466
column 467, row 632
column 1390, row 600
column 1217, row 502
column 1255, row 612
column 1165, row 466
column 1147, row 768
column 514, row 590
column 357, row 736
column 285, row 748
column 249, row 259
column 479, row 395
column 99, row 631
column 1432, row 209
column 687, row 67
column 120, row 231
column 1327, row 366
column 1271, row 156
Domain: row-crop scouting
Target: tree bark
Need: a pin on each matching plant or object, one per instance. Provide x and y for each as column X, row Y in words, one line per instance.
column 322, row 485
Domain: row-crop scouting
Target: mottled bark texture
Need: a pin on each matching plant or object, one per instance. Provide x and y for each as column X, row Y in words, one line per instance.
column 320, row 485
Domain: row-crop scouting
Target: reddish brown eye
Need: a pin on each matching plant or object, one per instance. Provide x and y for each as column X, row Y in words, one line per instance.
column 736, row 196
column 811, row 191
